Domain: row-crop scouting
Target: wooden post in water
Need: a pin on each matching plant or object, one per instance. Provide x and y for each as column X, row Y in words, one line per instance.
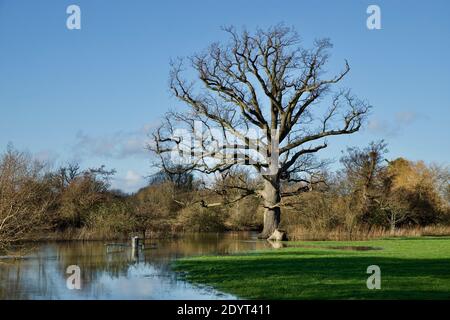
column 135, row 246
column 134, row 242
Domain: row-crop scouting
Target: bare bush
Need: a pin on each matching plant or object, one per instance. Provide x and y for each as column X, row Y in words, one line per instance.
column 24, row 198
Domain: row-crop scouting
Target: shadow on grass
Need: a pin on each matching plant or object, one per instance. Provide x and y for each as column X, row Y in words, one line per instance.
column 311, row 275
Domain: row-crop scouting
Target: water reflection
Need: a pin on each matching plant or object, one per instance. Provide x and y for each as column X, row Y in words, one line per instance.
column 118, row 274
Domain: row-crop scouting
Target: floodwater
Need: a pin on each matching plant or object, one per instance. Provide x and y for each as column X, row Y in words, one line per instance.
column 115, row 272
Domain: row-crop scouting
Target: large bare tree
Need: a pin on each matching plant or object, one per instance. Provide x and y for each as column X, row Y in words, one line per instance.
column 260, row 100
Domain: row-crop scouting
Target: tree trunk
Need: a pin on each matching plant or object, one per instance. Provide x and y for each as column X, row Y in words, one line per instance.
column 272, row 213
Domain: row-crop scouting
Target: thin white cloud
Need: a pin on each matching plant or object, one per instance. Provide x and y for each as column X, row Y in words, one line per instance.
column 392, row 127
column 46, row 156
column 132, row 178
column 405, row 117
column 131, row 182
column 118, row 145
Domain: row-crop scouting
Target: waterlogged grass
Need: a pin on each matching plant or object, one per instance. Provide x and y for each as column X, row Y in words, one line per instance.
column 416, row 268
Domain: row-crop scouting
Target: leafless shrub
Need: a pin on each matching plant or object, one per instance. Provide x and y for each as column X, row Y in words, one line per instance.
column 24, row 198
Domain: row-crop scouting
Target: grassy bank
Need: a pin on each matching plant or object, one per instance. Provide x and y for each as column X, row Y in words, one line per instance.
column 300, row 233
column 414, row 268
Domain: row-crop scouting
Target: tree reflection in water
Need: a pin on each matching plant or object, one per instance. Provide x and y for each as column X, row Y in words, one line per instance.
column 119, row 274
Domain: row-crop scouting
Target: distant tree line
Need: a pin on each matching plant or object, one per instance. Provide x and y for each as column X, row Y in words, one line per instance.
column 368, row 193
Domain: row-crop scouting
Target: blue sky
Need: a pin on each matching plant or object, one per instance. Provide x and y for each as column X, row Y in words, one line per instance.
column 92, row 95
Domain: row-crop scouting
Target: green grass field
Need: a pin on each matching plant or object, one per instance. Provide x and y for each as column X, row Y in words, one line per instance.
column 414, row 268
